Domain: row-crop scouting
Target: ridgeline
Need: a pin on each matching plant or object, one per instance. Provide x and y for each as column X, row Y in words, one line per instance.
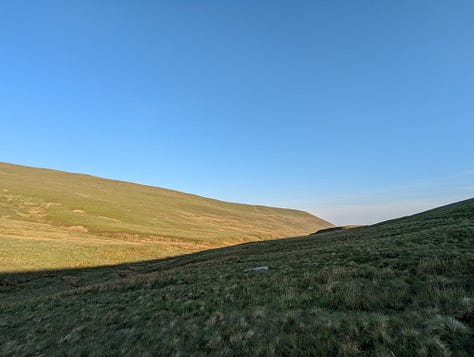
column 53, row 219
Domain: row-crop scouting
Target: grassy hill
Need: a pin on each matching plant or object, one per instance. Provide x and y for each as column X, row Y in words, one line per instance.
column 403, row 287
column 52, row 219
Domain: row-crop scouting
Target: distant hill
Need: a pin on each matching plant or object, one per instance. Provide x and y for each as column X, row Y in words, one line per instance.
column 81, row 220
column 338, row 228
column 399, row 288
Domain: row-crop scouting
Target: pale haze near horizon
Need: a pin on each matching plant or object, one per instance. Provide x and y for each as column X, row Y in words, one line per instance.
column 354, row 111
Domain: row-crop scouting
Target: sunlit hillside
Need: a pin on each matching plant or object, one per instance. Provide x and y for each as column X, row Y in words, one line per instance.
column 55, row 219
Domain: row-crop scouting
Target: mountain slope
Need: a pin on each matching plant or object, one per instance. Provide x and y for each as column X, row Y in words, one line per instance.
column 403, row 287
column 61, row 210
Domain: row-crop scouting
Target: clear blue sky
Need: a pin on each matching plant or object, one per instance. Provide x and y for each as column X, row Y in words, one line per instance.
column 356, row 111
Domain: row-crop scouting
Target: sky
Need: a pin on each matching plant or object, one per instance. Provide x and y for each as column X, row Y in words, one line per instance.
column 355, row 111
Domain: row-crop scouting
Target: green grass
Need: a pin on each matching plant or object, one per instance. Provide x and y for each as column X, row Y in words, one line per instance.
column 108, row 221
column 404, row 287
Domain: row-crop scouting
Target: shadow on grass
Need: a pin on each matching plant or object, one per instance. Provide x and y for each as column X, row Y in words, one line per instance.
column 15, row 286
column 457, row 217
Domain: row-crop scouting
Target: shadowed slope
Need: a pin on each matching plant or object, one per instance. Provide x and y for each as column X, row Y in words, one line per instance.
column 402, row 287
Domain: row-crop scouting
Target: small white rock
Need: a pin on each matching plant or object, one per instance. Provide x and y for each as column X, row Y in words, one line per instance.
column 257, row 269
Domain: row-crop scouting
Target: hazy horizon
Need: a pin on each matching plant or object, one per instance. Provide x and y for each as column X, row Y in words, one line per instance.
column 356, row 112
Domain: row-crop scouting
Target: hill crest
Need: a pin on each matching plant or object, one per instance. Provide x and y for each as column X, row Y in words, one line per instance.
column 41, row 203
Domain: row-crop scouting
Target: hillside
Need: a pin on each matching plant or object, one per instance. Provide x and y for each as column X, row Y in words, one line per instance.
column 79, row 220
column 403, row 287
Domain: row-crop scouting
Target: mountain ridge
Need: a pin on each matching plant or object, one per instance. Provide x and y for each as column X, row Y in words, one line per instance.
column 80, row 207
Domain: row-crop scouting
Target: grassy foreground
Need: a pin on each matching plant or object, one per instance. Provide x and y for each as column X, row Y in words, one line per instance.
column 401, row 288
column 53, row 219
